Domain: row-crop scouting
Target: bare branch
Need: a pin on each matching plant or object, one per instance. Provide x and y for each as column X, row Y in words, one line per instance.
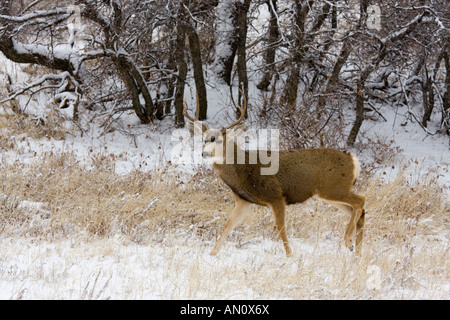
column 39, row 15
column 48, row 77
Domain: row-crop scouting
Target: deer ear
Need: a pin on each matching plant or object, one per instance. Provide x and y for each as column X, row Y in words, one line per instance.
column 191, row 127
column 236, row 131
column 240, row 128
column 195, row 128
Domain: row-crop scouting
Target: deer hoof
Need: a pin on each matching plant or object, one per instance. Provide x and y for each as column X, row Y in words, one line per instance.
column 349, row 244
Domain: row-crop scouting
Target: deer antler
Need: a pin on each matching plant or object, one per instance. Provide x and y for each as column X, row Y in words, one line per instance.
column 197, row 112
column 241, row 109
column 186, row 114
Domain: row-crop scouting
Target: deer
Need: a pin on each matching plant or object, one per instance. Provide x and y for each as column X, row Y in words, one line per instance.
column 328, row 174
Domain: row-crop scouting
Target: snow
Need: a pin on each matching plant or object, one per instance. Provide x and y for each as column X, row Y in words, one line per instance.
column 113, row 269
column 421, row 151
column 86, row 272
column 180, row 267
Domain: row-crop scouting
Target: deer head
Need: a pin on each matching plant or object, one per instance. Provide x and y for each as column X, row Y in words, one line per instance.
column 217, row 141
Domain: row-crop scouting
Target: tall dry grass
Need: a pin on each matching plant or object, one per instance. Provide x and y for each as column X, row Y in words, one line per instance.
column 71, row 199
column 56, row 198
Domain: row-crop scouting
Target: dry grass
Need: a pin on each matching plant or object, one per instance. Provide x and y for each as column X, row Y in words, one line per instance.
column 21, row 125
column 148, row 235
column 103, row 203
column 72, row 200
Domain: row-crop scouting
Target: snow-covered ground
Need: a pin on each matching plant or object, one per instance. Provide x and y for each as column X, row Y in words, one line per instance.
column 179, row 267
column 420, row 151
column 182, row 269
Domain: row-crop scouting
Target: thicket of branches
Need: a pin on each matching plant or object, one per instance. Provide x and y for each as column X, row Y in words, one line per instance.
column 305, row 57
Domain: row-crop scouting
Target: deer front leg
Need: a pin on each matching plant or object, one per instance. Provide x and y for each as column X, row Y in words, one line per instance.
column 239, row 213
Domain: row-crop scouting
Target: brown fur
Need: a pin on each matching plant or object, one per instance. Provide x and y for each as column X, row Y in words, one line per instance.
column 301, row 174
column 327, row 173
column 330, row 174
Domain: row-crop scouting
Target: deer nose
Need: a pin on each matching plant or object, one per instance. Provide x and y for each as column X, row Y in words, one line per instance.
column 206, row 154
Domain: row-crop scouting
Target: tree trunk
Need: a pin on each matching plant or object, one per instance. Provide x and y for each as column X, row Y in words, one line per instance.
column 291, row 91
column 142, row 85
column 334, row 16
column 273, row 38
column 359, row 114
column 446, row 99
column 360, row 87
column 241, row 17
column 333, row 80
column 182, row 68
column 428, row 100
column 172, row 80
column 226, row 40
column 196, row 56
column 132, row 87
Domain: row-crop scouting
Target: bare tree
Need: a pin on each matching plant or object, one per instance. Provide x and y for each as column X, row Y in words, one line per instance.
column 315, row 56
column 273, row 39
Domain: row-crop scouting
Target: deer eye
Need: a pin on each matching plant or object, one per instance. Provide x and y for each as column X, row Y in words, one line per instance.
column 212, row 139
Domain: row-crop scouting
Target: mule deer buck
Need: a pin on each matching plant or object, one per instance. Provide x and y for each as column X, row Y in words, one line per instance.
column 327, row 173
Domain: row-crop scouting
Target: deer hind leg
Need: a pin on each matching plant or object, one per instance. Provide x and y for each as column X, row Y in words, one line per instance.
column 357, row 205
column 347, row 209
column 279, row 214
column 353, row 204
column 239, row 213
column 360, row 232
